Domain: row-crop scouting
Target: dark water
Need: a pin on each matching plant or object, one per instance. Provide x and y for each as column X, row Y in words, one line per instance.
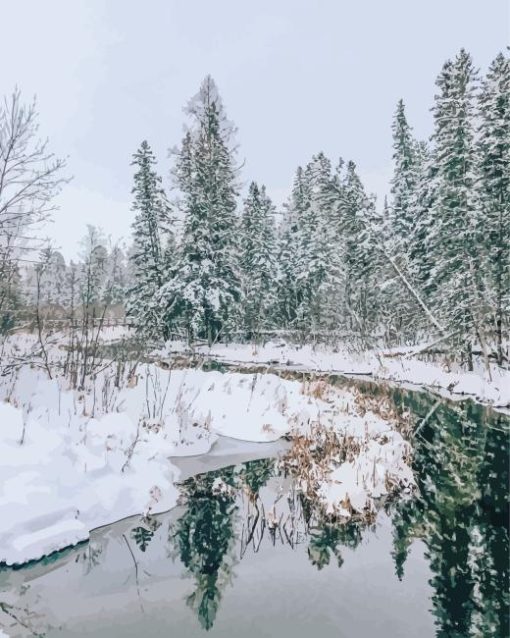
column 245, row 555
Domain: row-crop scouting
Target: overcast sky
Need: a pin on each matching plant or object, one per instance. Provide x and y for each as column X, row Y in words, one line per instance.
column 296, row 77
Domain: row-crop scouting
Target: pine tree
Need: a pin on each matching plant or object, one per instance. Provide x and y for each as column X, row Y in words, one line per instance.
column 150, row 227
column 258, row 261
column 494, row 190
column 47, row 280
column 325, row 271
column 453, row 241
column 205, row 287
column 54, row 278
column 286, row 303
column 361, row 228
column 420, row 259
column 290, row 261
column 116, row 274
column 10, row 293
column 405, row 230
column 310, row 262
column 93, row 271
column 405, row 178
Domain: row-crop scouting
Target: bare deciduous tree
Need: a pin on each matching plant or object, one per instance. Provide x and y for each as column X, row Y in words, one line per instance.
column 30, row 178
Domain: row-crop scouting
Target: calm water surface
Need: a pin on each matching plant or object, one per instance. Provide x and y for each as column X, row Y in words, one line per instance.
column 245, row 555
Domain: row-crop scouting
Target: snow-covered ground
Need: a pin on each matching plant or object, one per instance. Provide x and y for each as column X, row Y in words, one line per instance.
column 402, row 367
column 71, row 461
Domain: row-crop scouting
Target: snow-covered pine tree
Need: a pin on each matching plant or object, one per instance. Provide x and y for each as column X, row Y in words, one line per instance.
column 309, row 255
column 45, row 283
column 402, row 226
column 294, row 254
column 405, row 178
column 258, row 261
column 53, row 280
column 420, row 260
column 394, row 296
column 150, row 227
column 205, row 287
column 324, row 267
column 287, row 242
column 494, row 191
column 92, row 272
column 10, row 293
column 116, row 275
column 360, row 227
column 454, row 240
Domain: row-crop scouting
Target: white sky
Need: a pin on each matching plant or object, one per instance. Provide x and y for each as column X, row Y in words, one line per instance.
column 296, row 77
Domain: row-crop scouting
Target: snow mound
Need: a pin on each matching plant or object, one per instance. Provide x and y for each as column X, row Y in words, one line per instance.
column 58, row 485
column 378, row 468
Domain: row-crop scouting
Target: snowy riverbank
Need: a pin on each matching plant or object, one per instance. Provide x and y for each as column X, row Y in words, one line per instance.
column 71, row 461
column 400, row 367
column 74, row 460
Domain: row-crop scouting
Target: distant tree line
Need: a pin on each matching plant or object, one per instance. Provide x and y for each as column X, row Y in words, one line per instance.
column 99, row 276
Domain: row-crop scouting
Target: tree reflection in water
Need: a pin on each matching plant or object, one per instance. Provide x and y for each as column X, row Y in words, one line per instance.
column 460, row 512
column 204, row 537
column 327, row 539
column 226, row 506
